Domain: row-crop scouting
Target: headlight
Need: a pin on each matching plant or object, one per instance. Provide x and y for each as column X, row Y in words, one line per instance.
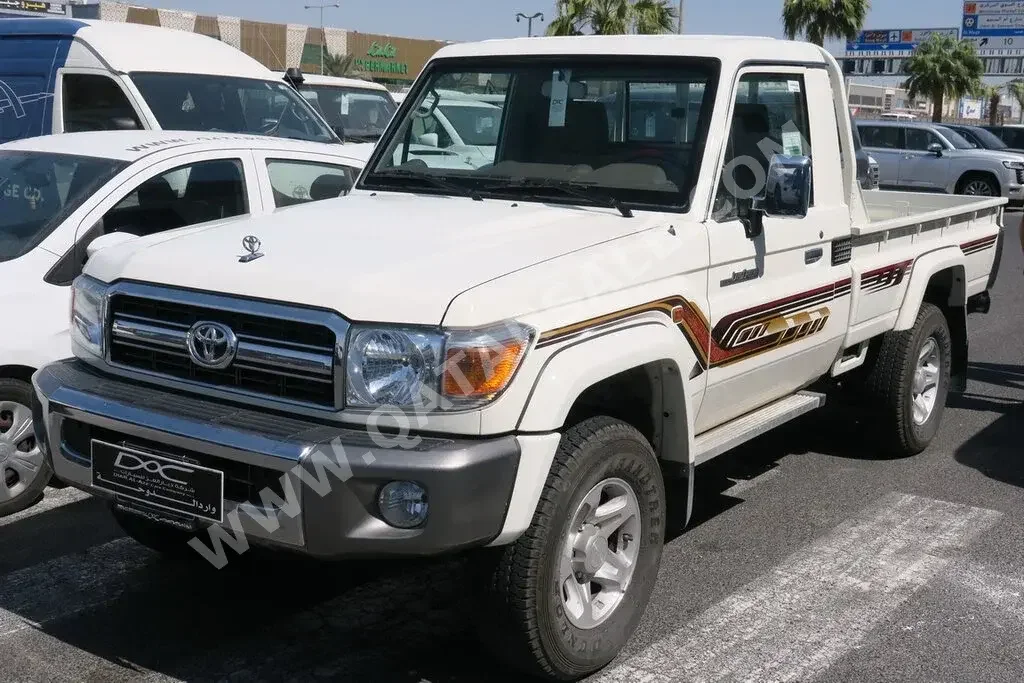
column 1015, row 165
column 88, row 300
column 452, row 370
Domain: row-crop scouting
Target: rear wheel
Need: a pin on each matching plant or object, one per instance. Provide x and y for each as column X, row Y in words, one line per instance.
column 24, row 471
column 909, row 382
column 568, row 594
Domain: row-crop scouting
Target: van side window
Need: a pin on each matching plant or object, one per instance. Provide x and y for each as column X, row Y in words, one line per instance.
column 94, row 102
column 188, row 195
column 769, row 117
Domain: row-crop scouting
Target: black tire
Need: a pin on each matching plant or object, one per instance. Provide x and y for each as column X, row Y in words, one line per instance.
column 890, row 383
column 21, row 392
column 524, row 621
column 982, row 178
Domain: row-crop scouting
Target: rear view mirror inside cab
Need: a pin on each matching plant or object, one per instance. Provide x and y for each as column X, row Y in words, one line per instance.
column 577, row 90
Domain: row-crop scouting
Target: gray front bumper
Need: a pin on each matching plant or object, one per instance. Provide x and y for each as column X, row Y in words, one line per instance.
column 469, row 482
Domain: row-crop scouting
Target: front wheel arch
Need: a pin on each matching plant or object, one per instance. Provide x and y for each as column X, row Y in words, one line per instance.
column 966, row 178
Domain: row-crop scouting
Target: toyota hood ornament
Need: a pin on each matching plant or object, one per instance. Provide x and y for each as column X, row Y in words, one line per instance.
column 251, row 244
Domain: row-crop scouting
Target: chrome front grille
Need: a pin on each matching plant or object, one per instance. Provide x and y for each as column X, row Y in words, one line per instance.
column 1020, row 176
column 283, row 353
column 873, row 175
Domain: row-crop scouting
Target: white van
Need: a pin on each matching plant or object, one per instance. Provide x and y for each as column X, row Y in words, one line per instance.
column 69, row 75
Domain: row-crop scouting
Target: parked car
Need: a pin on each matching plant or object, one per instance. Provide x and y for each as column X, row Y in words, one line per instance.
column 357, row 110
column 64, row 195
column 1011, row 134
column 68, row 75
column 931, row 157
column 867, row 166
column 512, row 359
column 982, row 138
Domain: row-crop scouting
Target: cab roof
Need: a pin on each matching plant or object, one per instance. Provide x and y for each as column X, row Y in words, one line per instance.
column 727, row 48
column 132, row 145
column 136, row 47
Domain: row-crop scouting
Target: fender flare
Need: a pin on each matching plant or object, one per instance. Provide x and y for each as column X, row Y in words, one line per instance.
column 923, row 269
column 576, row 367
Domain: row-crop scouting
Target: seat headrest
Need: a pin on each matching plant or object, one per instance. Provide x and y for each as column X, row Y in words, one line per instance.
column 329, row 186
column 752, row 117
column 156, row 191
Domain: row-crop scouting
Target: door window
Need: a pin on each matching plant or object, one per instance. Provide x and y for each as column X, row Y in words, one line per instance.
column 918, row 139
column 769, row 117
column 94, row 102
column 880, row 137
column 298, row 182
column 188, row 195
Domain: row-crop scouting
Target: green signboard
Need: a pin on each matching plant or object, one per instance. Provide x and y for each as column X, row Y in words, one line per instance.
column 382, row 60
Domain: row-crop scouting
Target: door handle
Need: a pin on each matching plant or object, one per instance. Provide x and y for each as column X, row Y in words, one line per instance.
column 812, row 256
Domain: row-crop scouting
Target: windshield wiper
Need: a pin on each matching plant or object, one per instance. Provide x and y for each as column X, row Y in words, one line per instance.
column 436, row 181
column 583, row 191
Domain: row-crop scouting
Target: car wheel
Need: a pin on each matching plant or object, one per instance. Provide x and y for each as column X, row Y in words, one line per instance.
column 978, row 185
column 910, row 382
column 565, row 597
column 24, row 470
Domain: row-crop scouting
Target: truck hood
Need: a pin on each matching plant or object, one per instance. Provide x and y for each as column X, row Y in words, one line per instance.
column 388, row 257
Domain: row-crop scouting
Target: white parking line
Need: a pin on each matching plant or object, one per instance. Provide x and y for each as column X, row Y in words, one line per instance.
column 796, row 620
column 52, row 499
column 1005, row 593
column 67, row 585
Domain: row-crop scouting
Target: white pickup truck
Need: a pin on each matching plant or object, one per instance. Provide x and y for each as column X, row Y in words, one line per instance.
column 512, row 359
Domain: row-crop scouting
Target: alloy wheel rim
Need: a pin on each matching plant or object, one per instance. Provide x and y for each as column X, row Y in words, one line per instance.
column 599, row 553
column 21, row 458
column 978, row 187
column 925, row 390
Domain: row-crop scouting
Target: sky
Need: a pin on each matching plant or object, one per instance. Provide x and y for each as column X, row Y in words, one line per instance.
column 479, row 19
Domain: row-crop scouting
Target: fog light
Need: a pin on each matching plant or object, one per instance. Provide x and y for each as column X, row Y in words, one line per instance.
column 403, row 504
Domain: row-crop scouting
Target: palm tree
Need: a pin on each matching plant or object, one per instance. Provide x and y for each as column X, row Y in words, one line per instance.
column 1016, row 90
column 340, row 65
column 820, row 20
column 612, row 17
column 941, row 67
column 993, row 95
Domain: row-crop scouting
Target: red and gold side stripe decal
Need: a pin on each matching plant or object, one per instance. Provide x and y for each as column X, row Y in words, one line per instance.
column 736, row 337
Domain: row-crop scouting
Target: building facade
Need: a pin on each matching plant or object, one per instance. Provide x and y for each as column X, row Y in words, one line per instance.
column 392, row 60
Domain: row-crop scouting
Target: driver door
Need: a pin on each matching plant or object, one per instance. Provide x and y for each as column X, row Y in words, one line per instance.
column 920, row 168
column 778, row 304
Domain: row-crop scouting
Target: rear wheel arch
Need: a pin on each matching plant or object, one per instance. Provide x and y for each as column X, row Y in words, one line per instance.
column 943, row 283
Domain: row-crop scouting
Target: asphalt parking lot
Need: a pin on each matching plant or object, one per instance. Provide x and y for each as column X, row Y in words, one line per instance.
column 809, row 558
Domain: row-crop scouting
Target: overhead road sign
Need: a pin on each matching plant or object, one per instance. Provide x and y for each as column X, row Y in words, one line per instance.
column 993, row 19
column 895, row 40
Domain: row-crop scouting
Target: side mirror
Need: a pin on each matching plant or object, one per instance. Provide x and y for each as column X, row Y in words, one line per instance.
column 787, row 193
column 935, row 148
column 429, row 139
column 109, row 240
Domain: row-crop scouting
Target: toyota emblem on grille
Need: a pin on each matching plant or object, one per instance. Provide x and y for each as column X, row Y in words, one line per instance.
column 211, row 345
column 251, row 244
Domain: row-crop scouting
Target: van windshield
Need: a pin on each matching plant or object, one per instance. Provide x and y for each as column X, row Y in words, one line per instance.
column 597, row 130
column 356, row 114
column 230, row 105
column 38, row 190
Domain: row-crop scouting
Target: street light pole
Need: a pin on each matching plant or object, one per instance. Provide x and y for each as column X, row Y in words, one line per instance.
column 679, row 29
column 323, row 32
column 529, row 21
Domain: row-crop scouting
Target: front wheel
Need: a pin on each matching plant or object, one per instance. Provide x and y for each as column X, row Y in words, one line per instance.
column 568, row 594
column 24, row 470
column 978, row 185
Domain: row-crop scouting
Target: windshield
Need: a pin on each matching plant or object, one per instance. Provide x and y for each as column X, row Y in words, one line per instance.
column 958, row 141
column 628, row 133
column 230, row 105
column 476, row 124
column 355, row 114
column 38, row 190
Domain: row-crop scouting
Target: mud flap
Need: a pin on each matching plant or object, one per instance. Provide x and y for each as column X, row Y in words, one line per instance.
column 956, row 317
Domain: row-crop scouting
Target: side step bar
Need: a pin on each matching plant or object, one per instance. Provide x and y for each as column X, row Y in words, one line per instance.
column 714, row 442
